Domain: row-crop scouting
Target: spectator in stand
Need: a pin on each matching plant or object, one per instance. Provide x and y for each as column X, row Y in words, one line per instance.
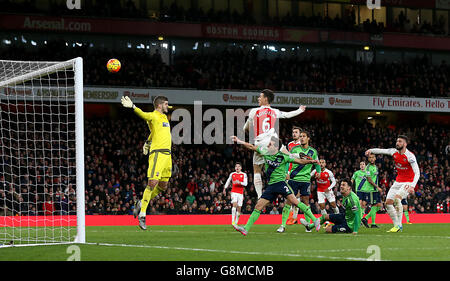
column 48, row 206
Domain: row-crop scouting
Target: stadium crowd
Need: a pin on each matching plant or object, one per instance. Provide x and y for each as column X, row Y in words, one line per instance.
column 116, row 170
column 176, row 13
column 241, row 69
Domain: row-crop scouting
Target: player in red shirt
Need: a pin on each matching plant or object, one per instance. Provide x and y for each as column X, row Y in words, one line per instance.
column 239, row 180
column 325, row 183
column 263, row 120
column 408, row 174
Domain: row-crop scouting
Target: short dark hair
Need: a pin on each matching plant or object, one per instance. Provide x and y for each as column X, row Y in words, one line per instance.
column 268, row 94
column 405, row 137
column 238, row 163
column 306, row 133
column 348, row 181
column 159, row 100
column 297, row 128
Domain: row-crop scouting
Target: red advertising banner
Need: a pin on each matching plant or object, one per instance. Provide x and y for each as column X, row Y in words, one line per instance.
column 242, row 32
column 400, row 3
column 219, row 31
column 91, row 25
column 117, row 220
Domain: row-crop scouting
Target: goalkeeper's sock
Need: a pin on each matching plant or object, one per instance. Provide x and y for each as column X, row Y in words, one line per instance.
column 149, row 194
column 253, row 218
column 156, row 190
column 405, row 211
column 145, row 200
column 285, row 214
column 306, row 210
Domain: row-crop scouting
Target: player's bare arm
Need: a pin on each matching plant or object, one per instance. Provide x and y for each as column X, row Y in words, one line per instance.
column 303, row 161
column 245, row 144
column 369, row 179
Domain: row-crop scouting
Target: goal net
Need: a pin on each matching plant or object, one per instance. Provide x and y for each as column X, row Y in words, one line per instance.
column 41, row 152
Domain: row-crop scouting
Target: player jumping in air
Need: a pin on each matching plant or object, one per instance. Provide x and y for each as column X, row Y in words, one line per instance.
column 347, row 222
column 263, row 121
column 408, row 174
column 158, row 146
column 325, row 184
column 299, row 176
column 374, row 198
column 239, row 181
column 275, row 169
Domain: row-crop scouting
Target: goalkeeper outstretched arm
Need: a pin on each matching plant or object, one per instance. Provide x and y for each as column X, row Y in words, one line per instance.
column 126, row 102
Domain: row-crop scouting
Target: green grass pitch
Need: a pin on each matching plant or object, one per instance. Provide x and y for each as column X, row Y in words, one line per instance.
column 423, row 242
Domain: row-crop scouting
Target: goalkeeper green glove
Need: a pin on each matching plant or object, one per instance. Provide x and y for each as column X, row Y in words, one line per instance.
column 146, row 147
column 126, row 102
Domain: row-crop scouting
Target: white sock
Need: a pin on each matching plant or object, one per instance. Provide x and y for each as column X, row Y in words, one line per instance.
column 257, row 181
column 233, row 214
column 237, row 216
column 393, row 214
column 399, row 211
column 323, row 212
column 295, row 210
column 336, row 210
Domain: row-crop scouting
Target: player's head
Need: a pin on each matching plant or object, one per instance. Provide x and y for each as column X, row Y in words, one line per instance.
column 322, row 163
column 274, row 145
column 266, row 97
column 346, row 187
column 402, row 142
column 161, row 103
column 304, row 137
column 238, row 167
column 296, row 132
column 362, row 165
column 371, row 158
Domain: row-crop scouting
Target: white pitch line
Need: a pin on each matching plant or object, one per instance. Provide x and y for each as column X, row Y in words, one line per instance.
column 284, row 234
column 229, row 252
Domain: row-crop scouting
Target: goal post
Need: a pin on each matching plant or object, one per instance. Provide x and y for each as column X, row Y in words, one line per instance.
column 42, row 152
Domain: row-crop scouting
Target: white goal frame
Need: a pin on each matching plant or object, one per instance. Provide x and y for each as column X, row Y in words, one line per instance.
column 77, row 65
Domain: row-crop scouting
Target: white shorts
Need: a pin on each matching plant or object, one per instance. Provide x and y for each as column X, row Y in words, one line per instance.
column 398, row 188
column 237, row 198
column 257, row 159
column 328, row 195
column 262, row 140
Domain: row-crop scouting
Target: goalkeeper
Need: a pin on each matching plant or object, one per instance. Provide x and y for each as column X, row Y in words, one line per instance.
column 347, row 222
column 158, row 147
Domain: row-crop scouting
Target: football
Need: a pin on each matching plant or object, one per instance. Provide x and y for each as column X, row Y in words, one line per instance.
column 113, row 65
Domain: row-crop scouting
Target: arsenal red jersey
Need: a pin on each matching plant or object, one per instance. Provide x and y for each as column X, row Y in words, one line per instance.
column 325, row 180
column 237, row 187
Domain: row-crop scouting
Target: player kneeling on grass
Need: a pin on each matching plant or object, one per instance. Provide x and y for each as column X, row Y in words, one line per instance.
column 348, row 222
column 275, row 170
